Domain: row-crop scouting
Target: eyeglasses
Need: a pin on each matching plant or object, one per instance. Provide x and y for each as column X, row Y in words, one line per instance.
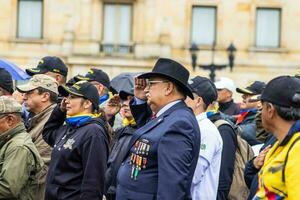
column 149, row 83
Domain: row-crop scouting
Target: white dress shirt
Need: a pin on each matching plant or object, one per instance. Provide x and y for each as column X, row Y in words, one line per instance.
column 206, row 177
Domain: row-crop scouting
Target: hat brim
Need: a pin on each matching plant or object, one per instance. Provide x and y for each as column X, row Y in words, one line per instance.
column 34, row 71
column 65, row 91
column 244, row 91
column 26, row 88
column 187, row 91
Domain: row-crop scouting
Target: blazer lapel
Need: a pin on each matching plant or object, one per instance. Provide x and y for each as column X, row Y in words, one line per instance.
column 153, row 123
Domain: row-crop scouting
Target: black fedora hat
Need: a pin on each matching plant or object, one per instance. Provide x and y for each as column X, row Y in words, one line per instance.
column 172, row 71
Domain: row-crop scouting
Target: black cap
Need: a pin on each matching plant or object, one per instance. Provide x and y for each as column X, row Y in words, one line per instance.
column 173, row 71
column 283, row 91
column 123, row 94
column 204, row 88
column 253, row 88
column 96, row 75
column 71, row 81
column 6, row 81
column 49, row 64
column 82, row 89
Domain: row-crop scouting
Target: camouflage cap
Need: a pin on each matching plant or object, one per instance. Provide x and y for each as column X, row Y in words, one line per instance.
column 9, row 105
column 40, row 80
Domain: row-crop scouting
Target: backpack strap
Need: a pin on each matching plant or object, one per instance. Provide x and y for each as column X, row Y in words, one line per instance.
column 286, row 158
column 221, row 122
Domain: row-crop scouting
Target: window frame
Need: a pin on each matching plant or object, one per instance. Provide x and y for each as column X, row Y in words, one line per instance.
column 42, row 22
column 116, row 46
column 215, row 27
column 279, row 27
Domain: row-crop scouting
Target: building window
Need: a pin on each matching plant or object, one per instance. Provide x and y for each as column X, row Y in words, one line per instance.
column 30, row 15
column 117, row 28
column 203, row 25
column 268, row 27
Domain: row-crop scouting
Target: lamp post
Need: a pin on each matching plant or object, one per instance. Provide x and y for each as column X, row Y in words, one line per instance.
column 231, row 55
column 213, row 67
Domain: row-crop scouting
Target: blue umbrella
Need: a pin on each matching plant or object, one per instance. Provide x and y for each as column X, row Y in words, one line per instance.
column 16, row 72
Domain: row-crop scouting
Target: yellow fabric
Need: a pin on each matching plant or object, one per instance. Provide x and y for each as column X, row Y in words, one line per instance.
column 270, row 175
column 110, row 95
column 127, row 122
column 90, row 114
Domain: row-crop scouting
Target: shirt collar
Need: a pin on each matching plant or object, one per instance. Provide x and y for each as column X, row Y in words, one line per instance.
column 201, row 116
column 166, row 107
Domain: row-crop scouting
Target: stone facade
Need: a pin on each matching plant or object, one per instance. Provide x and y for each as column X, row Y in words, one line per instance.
column 73, row 30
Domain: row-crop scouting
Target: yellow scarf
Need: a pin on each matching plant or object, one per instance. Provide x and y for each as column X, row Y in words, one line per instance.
column 127, row 122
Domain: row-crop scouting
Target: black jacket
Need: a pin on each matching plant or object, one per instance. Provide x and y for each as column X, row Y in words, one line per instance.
column 229, row 108
column 251, row 173
column 116, row 157
column 228, row 157
column 78, row 160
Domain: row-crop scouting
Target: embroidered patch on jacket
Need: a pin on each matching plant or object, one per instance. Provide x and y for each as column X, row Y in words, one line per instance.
column 69, row 143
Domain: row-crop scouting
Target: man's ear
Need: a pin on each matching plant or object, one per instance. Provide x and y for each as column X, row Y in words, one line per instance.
column 45, row 97
column 10, row 120
column 270, row 110
column 169, row 89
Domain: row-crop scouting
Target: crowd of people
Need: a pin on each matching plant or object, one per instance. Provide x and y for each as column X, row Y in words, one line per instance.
column 169, row 136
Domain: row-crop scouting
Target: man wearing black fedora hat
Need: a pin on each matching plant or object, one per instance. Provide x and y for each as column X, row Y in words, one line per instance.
column 163, row 152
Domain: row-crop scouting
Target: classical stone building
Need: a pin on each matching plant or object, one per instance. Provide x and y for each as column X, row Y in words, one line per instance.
column 129, row 35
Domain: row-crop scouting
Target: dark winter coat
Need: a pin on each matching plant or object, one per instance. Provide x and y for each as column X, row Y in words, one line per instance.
column 78, row 160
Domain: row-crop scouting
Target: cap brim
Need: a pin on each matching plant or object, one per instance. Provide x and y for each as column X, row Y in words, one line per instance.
column 244, row 91
column 187, row 91
column 65, row 91
column 26, row 88
column 82, row 78
column 34, row 71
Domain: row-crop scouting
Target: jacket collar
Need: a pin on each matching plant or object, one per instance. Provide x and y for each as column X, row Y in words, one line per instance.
column 40, row 116
column 294, row 129
column 6, row 136
column 224, row 106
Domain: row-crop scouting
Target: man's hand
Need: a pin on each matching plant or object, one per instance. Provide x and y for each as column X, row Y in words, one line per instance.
column 139, row 88
column 258, row 162
column 113, row 106
column 63, row 105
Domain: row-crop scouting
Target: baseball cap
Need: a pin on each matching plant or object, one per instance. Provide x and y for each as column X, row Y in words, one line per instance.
column 49, row 64
column 6, row 81
column 204, row 88
column 9, row 105
column 82, row 89
column 253, row 88
column 95, row 75
column 225, row 83
column 283, row 91
column 39, row 80
column 123, row 94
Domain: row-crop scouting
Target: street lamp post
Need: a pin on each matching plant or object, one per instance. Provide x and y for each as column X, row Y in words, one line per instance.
column 231, row 55
column 213, row 67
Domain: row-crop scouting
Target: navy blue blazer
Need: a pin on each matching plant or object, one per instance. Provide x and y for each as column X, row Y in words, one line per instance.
column 162, row 156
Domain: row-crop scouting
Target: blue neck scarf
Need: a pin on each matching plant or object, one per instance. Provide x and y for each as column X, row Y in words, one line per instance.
column 78, row 120
column 103, row 98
